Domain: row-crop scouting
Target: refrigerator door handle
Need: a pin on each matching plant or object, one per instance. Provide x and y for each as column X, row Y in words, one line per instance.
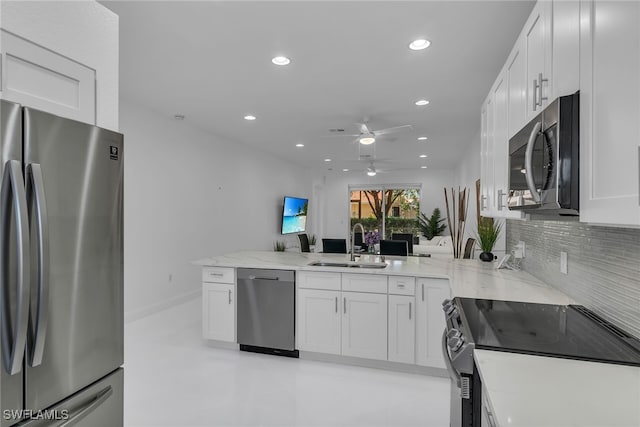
column 88, row 407
column 13, row 182
column 35, row 194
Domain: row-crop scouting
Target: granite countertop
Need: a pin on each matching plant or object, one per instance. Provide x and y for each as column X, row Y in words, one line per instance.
column 468, row 277
column 525, row 390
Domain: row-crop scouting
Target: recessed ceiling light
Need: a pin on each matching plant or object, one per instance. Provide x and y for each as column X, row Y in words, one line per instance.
column 299, row 145
column 367, row 140
column 423, row 167
column 345, row 170
column 523, row 171
column 179, row 117
column 419, row 44
column 249, row 117
column 422, row 138
column 371, row 173
column 327, row 160
column 281, row 60
column 422, row 156
column 422, row 102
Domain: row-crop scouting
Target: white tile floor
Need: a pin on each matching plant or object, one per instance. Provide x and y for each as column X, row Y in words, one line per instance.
column 173, row 379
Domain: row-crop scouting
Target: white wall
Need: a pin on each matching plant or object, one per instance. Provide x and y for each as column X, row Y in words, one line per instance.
column 190, row 195
column 331, row 195
column 83, row 31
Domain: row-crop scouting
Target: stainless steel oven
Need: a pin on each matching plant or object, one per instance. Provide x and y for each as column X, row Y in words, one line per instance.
column 544, row 160
column 571, row 332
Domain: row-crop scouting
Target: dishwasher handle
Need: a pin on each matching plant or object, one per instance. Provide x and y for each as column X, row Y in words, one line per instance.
column 252, row 277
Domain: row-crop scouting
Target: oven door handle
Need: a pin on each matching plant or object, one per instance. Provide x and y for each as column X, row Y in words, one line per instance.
column 528, row 162
column 455, row 376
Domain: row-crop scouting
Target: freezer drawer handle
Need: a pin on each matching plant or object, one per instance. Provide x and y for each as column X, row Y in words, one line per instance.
column 13, row 182
column 89, row 407
column 35, row 194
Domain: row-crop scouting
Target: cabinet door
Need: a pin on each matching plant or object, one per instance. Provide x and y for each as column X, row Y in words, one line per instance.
column 218, row 312
column 610, row 112
column 565, row 41
column 537, row 36
column 402, row 328
column 486, row 159
column 318, row 321
column 364, row 325
column 40, row 78
column 430, row 322
column 517, row 80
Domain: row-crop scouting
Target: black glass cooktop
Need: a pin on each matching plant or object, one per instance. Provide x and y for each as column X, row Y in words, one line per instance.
column 571, row 332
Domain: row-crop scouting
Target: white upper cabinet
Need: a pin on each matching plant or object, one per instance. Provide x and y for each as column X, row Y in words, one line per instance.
column 565, row 47
column 537, row 38
column 610, row 112
column 486, row 159
column 517, row 78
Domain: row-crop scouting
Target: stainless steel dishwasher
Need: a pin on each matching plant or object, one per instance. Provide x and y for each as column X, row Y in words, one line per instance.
column 266, row 311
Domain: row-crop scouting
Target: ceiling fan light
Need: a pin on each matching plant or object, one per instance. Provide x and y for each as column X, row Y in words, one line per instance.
column 367, row 140
column 371, row 173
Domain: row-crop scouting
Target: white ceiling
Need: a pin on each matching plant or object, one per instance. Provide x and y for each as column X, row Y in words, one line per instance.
column 211, row 61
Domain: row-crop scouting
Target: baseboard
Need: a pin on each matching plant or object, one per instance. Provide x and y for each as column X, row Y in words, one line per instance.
column 137, row 314
column 377, row 364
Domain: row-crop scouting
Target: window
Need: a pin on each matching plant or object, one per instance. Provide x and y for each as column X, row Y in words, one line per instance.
column 386, row 209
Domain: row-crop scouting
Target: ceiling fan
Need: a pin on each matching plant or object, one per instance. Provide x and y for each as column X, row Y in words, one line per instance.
column 373, row 170
column 368, row 136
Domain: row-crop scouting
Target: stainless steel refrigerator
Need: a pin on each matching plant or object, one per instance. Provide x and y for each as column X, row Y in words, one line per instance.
column 61, row 267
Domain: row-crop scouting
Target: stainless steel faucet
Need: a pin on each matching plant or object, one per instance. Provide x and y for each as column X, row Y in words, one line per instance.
column 353, row 239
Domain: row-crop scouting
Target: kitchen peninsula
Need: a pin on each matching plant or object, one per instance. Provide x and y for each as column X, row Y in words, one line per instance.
column 387, row 317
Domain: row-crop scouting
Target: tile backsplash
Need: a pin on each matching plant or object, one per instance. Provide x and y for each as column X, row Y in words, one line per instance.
column 603, row 265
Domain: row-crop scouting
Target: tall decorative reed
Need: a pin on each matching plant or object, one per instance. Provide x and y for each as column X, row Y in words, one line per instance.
column 457, row 221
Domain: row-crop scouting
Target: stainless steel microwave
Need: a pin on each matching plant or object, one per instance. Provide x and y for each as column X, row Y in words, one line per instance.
column 544, row 160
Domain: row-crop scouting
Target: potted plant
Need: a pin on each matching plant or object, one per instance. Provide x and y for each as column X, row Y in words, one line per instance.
column 279, row 246
column 371, row 239
column 488, row 232
column 431, row 226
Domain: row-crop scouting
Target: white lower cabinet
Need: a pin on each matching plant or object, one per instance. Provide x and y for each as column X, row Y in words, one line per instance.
column 364, row 325
column 430, row 321
column 218, row 311
column 319, row 321
column 402, row 328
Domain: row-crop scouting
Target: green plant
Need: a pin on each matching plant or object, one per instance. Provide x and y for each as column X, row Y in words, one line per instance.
column 488, row 232
column 431, row 226
column 312, row 239
column 279, row 246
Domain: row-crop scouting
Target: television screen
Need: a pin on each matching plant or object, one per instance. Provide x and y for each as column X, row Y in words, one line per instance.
column 294, row 215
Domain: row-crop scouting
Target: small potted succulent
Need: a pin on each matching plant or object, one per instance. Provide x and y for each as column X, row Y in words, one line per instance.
column 488, row 232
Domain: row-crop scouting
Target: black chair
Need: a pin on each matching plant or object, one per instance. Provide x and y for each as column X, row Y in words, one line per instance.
column 408, row 237
column 304, row 242
column 357, row 241
column 468, row 248
column 334, row 246
column 394, row 247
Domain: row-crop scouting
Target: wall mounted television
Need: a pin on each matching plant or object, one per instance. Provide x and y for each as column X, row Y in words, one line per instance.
column 294, row 215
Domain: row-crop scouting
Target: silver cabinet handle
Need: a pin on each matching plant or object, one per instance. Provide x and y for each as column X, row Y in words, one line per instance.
column 638, row 175
column 229, row 296
column 482, row 200
column 528, row 162
column 13, row 182
column 540, row 97
column 409, row 310
column 89, row 407
column 345, row 305
column 36, row 195
column 401, row 285
column 501, row 194
column 336, row 304
column 423, row 292
column 535, row 94
column 216, row 274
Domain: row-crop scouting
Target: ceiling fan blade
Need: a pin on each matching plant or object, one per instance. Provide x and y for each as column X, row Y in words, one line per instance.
column 392, row 130
column 340, row 135
column 364, row 129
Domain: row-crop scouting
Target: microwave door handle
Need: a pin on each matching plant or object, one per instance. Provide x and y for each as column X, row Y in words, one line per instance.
column 455, row 376
column 528, row 162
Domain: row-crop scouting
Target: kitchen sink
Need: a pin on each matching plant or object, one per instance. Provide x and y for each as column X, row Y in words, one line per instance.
column 348, row 264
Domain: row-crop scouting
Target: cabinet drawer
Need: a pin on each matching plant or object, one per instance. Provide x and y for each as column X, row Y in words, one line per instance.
column 402, row 285
column 370, row 283
column 218, row 274
column 318, row 280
